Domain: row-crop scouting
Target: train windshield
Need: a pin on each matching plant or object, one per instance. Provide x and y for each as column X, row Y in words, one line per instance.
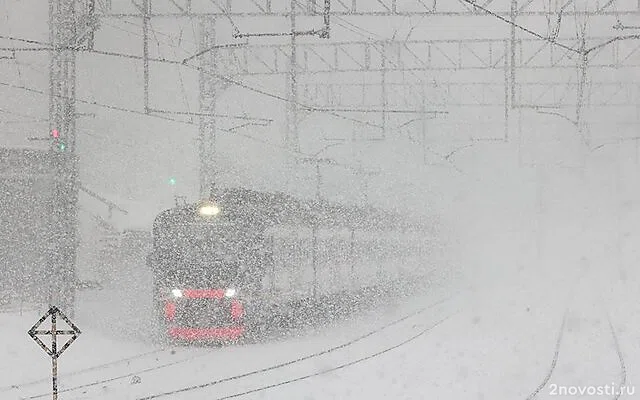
column 205, row 252
column 208, row 239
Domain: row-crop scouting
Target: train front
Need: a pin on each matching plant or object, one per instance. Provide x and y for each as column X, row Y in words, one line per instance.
column 204, row 264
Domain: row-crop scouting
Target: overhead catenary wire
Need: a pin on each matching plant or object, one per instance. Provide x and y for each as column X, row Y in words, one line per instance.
column 141, row 113
column 124, row 109
column 23, row 40
column 369, row 35
column 520, row 27
column 258, row 90
column 273, row 95
column 156, row 115
column 232, row 81
column 184, row 62
column 133, row 111
column 552, row 40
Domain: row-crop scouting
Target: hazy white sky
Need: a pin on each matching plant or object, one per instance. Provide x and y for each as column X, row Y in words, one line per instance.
column 127, row 155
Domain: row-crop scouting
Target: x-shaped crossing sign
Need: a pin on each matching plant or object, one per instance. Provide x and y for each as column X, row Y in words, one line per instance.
column 54, row 332
column 54, row 352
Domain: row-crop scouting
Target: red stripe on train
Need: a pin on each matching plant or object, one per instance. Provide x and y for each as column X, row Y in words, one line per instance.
column 237, row 310
column 206, row 333
column 170, row 310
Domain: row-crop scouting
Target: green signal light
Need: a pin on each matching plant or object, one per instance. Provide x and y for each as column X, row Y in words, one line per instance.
column 59, row 145
column 172, row 181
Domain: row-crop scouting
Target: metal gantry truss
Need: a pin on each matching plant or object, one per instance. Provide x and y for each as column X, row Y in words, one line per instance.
column 368, row 8
column 316, row 72
column 422, row 56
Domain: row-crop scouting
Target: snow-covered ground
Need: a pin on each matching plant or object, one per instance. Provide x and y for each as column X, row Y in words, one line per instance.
column 545, row 304
column 103, row 364
column 497, row 338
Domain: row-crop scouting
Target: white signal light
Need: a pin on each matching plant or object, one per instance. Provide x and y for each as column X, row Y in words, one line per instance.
column 176, row 293
column 230, row 292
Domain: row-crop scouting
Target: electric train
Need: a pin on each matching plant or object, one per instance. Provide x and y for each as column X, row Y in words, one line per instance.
column 225, row 266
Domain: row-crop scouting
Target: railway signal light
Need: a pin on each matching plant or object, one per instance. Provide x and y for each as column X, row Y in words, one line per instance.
column 57, row 141
column 172, row 181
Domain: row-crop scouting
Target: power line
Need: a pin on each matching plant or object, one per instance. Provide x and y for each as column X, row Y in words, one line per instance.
column 93, row 103
column 138, row 112
column 219, row 76
column 22, row 40
column 522, row 28
column 133, row 111
column 201, row 114
column 138, row 34
column 282, row 98
column 612, row 40
column 152, row 115
column 553, row 40
column 349, row 13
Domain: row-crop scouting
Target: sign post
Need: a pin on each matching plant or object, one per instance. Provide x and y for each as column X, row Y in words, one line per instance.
column 53, row 352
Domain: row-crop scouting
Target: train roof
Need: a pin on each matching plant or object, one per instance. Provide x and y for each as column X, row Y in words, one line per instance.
column 268, row 209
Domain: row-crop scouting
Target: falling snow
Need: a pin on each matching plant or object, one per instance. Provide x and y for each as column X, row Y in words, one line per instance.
column 363, row 199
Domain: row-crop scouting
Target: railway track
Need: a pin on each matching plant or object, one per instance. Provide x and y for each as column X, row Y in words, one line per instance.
column 140, row 372
column 623, row 367
column 299, row 363
column 554, row 361
column 618, row 391
column 139, row 359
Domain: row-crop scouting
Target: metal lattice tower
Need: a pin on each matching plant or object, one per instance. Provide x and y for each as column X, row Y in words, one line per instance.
column 62, row 118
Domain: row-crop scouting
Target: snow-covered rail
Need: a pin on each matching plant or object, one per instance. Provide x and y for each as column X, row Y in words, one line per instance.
column 399, row 326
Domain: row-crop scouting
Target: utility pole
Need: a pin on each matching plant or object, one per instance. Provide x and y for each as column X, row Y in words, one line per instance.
column 292, row 139
column 208, row 92
column 62, row 125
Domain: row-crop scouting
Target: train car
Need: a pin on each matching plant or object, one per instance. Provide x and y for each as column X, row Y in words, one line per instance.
column 225, row 266
column 29, row 231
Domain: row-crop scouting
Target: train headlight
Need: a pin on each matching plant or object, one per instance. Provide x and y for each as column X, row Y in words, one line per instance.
column 229, row 292
column 176, row 293
column 208, row 210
